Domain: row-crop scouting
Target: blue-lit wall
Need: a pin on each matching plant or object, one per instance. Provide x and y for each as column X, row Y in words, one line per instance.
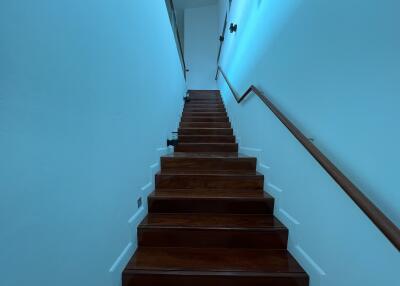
column 201, row 46
column 89, row 92
column 333, row 67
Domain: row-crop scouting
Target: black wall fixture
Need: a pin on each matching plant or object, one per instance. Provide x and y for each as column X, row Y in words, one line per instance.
column 233, row 28
column 174, row 140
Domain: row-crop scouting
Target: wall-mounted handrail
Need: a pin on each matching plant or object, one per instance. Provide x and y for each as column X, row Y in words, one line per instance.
column 171, row 3
column 382, row 222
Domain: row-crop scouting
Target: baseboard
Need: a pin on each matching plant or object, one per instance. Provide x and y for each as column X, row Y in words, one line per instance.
column 288, row 217
column 250, row 149
column 264, row 167
column 146, row 187
column 275, row 188
column 313, row 269
column 136, row 216
column 122, row 259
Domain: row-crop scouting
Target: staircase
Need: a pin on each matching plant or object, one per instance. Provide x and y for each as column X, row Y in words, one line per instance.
column 210, row 223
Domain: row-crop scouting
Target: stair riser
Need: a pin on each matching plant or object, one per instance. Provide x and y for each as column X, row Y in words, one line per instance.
column 207, row 139
column 205, row 102
column 242, row 164
column 210, row 205
column 178, row 237
column 205, row 125
column 180, row 181
column 199, row 131
column 205, row 96
column 206, row 99
column 204, row 106
column 185, row 279
column 204, row 119
column 204, row 114
column 194, row 92
column 188, row 147
column 197, row 109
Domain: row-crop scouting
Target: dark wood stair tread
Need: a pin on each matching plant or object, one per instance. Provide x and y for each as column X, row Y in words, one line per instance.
column 212, row 221
column 239, row 201
column 207, row 155
column 211, row 193
column 214, row 260
column 204, row 119
column 206, row 147
column 206, row 138
column 213, row 173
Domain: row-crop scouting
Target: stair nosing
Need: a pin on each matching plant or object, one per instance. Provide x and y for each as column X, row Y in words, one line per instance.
column 182, row 272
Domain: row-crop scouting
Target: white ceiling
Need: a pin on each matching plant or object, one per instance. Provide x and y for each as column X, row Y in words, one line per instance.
column 183, row 4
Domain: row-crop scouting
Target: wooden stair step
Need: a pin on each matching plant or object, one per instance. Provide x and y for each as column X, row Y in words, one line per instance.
column 212, row 230
column 202, row 109
column 207, row 180
column 162, row 266
column 204, row 92
column 206, row 147
column 207, row 161
column 206, row 102
column 207, row 138
column 205, row 99
column 205, row 131
column 205, row 125
column 205, row 114
column 204, row 119
column 212, row 201
column 203, row 105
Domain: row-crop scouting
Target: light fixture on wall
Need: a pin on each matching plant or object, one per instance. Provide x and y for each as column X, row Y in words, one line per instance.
column 233, row 28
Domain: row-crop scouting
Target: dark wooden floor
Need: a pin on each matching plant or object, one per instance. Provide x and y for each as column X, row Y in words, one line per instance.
column 210, row 222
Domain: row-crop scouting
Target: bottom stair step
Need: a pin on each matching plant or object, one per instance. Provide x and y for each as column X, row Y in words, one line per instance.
column 164, row 266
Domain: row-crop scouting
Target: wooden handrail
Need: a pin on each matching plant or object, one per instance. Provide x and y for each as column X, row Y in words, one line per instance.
column 382, row 222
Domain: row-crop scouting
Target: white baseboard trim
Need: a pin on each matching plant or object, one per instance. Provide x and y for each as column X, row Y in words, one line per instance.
column 121, row 257
column 264, row 167
column 275, row 188
column 147, row 186
column 310, row 261
column 154, row 165
column 136, row 215
column 250, row 149
column 288, row 216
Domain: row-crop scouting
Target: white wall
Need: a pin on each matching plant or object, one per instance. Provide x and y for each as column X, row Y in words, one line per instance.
column 333, row 67
column 201, row 46
column 87, row 100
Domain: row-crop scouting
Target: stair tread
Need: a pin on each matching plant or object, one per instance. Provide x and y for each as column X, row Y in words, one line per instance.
column 212, row 221
column 210, row 193
column 207, row 155
column 216, row 173
column 204, row 128
column 214, row 260
column 207, row 143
